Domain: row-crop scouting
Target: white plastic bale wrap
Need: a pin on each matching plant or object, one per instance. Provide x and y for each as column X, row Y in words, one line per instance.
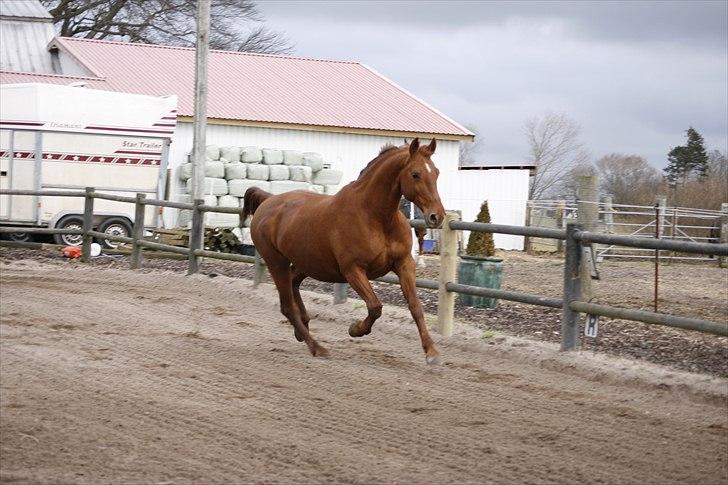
column 212, row 152
column 238, row 187
column 331, row 189
column 251, row 155
column 292, row 157
column 243, row 234
column 231, row 154
column 327, row 176
column 318, row 188
column 184, row 172
column 313, row 160
column 272, row 156
column 235, row 171
column 301, row 173
column 279, row 172
column 281, row 186
column 257, row 171
column 215, row 169
column 211, row 186
column 217, row 219
column 184, row 217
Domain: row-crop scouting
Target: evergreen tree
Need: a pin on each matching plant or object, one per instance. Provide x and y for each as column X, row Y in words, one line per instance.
column 698, row 154
column 687, row 159
column 481, row 243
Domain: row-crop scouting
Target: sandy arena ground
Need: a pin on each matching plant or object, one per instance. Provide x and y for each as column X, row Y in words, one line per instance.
column 114, row 376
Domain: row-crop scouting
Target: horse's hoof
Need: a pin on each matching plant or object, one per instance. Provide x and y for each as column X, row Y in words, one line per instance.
column 356, row 331
column 433, row 359
column 298, row 336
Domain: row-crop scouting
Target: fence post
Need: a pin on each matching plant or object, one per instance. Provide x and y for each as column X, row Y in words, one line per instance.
column 609, row 214
column 259, row 274
column 560, row 209
column 723, row 260
column 88, row 225
column 137, row 232
column 340, row 293
column 448, row 269
column 572, row 290
column 659, row 209
column 661, row 203
column 527, row 239
column 195, row 236
column 588, row 218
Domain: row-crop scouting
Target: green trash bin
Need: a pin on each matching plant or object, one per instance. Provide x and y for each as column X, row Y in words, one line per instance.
column 483, row 272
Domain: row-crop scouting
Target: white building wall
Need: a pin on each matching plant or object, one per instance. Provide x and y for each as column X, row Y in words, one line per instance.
column 506, row 190
column 71, row 67
column 23, row 45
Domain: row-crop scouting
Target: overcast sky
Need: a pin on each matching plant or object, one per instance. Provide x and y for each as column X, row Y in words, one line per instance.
column 633, row 75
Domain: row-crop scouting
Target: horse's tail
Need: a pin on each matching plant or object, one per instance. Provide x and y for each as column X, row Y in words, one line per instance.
column 252, row 199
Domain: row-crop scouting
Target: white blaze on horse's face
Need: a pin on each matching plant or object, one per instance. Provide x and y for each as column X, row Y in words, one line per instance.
column 418, row 182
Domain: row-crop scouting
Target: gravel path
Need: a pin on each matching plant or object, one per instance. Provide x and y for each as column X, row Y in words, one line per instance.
column 116, row 376
column 690, row 290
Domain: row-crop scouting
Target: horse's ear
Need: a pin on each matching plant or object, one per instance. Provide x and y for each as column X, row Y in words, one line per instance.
column 431, row 147
column 414, row 146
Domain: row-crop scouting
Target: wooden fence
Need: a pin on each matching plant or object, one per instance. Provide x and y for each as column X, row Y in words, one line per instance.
column 575, row 240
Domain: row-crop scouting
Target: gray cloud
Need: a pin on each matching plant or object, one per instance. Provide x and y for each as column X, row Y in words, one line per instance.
column 634, row 76
column 621, row 21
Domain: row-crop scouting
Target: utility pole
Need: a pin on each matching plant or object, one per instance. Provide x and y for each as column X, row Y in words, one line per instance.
column 200, row 116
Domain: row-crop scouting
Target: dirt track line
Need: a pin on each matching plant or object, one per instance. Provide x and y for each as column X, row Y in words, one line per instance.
column 364, row 382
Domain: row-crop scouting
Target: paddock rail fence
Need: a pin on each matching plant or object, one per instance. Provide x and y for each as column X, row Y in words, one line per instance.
column 574, row 238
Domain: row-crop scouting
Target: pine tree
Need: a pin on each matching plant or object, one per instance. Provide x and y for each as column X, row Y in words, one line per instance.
column 698, row 154
column 677, row 163
column 481, row 243
column 684, row 160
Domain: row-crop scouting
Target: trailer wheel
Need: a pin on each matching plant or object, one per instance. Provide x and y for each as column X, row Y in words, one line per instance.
column 114, row 226
column 16, row 236
column 69, row 222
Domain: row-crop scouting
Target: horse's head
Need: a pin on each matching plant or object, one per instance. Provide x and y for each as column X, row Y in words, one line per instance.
column 418, row 182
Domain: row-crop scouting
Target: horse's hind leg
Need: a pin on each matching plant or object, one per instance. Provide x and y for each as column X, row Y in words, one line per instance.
column 283, row 279
column 359, row 281
column 297, row 279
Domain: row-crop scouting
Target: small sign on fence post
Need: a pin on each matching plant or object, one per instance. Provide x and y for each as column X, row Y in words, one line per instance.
column 591, row 328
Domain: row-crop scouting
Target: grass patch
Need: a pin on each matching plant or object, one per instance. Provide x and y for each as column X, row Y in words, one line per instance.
column 488, row 333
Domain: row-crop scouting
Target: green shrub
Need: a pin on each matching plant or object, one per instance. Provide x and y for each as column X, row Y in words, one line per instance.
column 481, row 243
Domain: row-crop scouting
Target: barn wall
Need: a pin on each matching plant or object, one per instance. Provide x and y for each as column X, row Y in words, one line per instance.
column 459, row 190
column 506, row 192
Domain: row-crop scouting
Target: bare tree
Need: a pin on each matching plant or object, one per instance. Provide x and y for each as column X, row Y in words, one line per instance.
column 234, row 24
column 469, row 151
column 568, row 186
column 718, row 165
column 554, row 146
column 629, row 179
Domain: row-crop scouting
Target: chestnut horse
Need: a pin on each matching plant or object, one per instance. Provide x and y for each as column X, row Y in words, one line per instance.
column 354, row 236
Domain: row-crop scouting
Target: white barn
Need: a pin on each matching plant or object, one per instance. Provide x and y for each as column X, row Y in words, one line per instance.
column 344, row 110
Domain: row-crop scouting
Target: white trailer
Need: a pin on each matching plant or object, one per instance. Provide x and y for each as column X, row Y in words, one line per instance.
column 70, row 137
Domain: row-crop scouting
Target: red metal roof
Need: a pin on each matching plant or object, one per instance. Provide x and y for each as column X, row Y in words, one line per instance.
column 257, row 87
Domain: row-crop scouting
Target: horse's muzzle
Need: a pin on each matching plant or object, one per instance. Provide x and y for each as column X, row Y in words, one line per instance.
column 433, row 220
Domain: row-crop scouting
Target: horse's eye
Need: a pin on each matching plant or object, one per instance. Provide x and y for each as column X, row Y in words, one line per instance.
column 415, row 175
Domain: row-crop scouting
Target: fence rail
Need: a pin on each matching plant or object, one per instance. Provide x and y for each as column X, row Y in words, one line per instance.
column 573, row 236
column 698, row 225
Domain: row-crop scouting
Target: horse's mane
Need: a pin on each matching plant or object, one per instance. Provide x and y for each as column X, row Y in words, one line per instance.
column 383, row 151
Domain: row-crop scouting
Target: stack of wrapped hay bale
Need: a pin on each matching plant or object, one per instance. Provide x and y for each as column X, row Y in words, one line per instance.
column 230, row 171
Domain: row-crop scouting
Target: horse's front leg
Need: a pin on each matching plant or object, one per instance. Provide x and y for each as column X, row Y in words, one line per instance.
column 405, row 269
column 358, row 280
